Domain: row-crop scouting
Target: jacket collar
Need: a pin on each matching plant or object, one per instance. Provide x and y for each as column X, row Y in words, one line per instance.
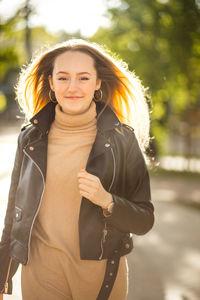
column 106, row 121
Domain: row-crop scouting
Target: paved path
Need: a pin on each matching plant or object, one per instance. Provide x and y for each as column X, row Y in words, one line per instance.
column 165, row 264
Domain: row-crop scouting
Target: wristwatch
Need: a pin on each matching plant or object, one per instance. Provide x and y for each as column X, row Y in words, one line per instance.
column 110, row 207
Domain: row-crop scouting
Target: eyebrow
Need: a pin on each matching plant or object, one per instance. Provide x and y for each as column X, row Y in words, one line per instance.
column 80, row 73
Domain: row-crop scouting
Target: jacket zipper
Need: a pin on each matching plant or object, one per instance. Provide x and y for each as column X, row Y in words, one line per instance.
column 105, row 231
column 114, row 170
column 29, row 239
column 5, row 290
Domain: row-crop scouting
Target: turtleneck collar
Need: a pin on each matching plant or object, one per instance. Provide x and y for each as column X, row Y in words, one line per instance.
column 44, row 118
column 75, row 122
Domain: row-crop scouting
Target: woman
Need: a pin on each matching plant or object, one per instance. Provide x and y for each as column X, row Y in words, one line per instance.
column 80, row 185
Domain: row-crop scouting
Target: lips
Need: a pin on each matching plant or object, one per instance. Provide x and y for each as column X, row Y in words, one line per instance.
column 74, row 97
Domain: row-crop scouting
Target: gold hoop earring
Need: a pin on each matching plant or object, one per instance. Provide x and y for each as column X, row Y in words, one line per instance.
column 98, row 95
column 50, row 97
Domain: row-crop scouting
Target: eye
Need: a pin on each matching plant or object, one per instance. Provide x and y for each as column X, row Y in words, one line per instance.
column 84, row 78
column 62, row 78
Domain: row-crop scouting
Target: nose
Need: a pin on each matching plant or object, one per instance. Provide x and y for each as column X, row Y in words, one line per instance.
column 72, row 85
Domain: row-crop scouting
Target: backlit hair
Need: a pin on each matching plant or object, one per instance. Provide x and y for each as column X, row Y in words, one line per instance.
column 121, row 89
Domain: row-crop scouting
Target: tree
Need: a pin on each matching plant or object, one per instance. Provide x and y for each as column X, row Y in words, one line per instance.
column 18, row 42
column 160, row 40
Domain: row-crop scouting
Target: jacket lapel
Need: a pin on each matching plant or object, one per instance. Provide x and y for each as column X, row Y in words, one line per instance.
column 37, row 151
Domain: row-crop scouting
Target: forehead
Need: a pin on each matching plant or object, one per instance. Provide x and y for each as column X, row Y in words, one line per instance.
column 74, row 61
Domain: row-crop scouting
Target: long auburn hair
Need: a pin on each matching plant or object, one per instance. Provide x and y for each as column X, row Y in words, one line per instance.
column 121, row 89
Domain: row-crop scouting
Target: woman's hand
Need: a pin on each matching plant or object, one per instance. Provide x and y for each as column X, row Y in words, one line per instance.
column 1, row 296
column 91, row 188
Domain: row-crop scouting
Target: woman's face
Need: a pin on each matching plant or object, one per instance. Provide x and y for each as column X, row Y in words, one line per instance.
column 74, row 81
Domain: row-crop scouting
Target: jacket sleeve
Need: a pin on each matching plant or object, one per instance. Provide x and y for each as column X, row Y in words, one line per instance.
column 8, row 267
column 135, row 212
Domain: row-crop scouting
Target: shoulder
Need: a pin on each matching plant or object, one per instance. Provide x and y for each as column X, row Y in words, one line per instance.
column 125, row 136
column 125, row 132
column 128, row 130
column 25, row 133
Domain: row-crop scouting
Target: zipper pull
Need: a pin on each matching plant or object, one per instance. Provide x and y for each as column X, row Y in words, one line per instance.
column 103, row 239
column 105, row 232
column 6, row 288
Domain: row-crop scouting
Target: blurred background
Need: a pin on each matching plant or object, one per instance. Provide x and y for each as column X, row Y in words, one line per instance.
column 160, row 41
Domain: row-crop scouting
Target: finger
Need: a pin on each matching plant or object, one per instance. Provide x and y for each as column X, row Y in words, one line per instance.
column 85, row 188
column 83, row 171
column 88, row 196
column 88, row 182
column 85, row 194
column 88, row 176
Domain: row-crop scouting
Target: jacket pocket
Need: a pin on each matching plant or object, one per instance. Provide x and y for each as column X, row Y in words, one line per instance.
column 113, row 240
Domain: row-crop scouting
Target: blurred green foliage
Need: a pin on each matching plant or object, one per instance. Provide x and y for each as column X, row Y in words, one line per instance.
column 18, row 42
column 160, row 41
column 2, row 102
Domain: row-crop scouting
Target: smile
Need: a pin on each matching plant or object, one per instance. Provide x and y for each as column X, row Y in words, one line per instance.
column 74, row 97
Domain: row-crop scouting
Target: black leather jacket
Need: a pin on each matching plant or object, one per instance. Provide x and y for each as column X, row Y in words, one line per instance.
column 115, row 158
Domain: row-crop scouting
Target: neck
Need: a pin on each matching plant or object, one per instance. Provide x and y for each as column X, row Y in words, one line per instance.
column 72, row 122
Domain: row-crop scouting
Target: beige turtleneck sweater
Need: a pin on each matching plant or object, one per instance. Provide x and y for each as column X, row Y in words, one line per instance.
column 69, row 143
column 55, row 270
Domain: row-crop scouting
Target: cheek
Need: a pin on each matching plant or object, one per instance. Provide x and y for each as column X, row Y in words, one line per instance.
column 91, row 88
column 90, row 92
column 60, row 87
